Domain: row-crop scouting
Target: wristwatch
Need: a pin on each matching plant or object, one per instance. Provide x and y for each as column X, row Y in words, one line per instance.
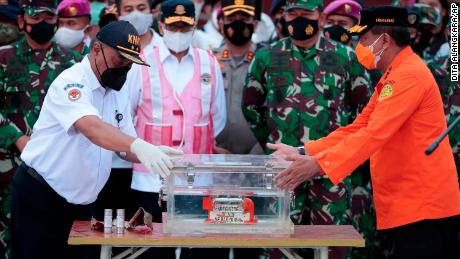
column 301, row 150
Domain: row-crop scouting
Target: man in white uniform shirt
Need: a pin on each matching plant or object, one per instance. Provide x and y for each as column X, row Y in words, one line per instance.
column 179, row 101
column 117, row 191
column 68, row 159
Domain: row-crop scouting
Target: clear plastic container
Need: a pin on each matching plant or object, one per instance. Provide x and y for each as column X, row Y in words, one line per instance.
column 226, row 194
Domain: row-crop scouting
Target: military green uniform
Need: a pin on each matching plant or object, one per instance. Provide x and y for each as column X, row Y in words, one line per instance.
column 25, row 75
column 293, row 95
column 236, row 136
column 85, row 50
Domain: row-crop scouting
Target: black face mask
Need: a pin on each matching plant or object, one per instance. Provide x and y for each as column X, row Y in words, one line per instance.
column 41, row 32
column 338, row 33
column 113, row 78
column 423, row 42
column 238, row 32
column 282, row 27
column 302, row 28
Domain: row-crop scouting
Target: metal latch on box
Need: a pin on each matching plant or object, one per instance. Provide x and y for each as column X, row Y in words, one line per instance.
column 190, row 175
column 268, row 176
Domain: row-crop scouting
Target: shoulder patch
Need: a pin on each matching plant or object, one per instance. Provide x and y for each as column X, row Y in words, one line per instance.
column 386, row 92
column 74, row 95
column 75, row 85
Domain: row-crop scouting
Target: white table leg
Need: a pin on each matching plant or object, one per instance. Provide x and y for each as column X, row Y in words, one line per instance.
column 106, row 252
column 321, row 253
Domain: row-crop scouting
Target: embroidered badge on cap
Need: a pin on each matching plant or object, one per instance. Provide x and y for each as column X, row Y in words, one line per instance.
column 386, row 92
column 206, row 78
column 74, row 95
column 180, row 10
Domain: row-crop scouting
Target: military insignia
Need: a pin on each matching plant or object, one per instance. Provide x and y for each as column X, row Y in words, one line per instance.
column 291, row 30
column 246, row 32
column 72, row 10
column 386, row 92
column 347, row 8
column 226, row 54
column 357, row 29
column 180, row 10
column 206, row 78
column 250, row 55
column 344, row 37
column 74, row 95
column 412, row 18
column 309, row 30
column 239, row 2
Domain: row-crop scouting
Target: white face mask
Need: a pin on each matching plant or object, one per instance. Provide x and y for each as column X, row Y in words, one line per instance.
column 140, row 21
column 69, row 38
column 177, row 41
column 198, row 8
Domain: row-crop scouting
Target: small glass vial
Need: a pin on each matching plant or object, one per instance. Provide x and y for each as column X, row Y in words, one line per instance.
column 120, row 221
column 108, row 219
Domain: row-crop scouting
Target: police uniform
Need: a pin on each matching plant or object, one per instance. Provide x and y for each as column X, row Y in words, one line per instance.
column 63, row 171
column 236, row 136
column 417, row 197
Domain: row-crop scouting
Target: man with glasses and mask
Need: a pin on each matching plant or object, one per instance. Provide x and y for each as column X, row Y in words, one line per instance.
column 74, row 20
column 178, row 102
column 27, row 68
column 301, row 88
column 68, row 158
column 417, row 197
column 235, row 56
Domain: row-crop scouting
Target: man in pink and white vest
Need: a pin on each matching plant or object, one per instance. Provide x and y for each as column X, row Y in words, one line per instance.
column 179, row 101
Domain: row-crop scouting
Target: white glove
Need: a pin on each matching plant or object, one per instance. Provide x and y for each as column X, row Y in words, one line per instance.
column 152, row 157
column 170, row 151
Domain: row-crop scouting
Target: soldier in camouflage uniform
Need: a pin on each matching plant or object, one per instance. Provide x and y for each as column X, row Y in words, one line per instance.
column 27, row 68
column 302, row 88
column 422, row 19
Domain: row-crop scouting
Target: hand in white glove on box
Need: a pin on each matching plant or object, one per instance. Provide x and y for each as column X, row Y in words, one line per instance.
column 155, row 158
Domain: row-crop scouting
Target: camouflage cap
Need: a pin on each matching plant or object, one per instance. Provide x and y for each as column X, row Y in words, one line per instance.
column 304, row 4
column 423, row 14
column 36, row 7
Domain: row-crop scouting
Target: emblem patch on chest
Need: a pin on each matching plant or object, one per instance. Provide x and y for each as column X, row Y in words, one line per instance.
column 74, row 95
column 386, row 92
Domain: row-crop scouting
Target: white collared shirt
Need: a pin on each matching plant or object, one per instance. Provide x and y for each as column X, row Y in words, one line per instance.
column 70, row 163
column 123, row 94
column 173, row 68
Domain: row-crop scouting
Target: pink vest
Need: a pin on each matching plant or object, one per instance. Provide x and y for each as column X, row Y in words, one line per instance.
column 182, row 121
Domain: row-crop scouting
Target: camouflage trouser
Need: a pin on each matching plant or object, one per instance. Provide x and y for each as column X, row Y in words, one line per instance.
column 319, row 202
column 5, row 214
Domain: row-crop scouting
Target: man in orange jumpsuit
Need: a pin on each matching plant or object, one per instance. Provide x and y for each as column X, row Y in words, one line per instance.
column 417, row 197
